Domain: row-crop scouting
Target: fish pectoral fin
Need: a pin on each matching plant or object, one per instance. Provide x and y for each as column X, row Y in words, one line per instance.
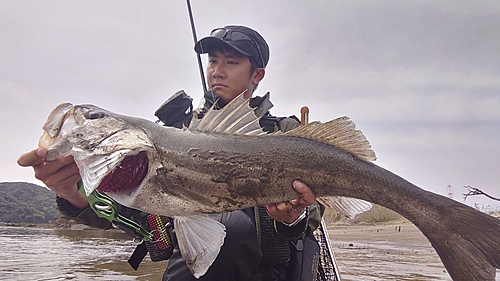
column 347, row 206
column 200, row 239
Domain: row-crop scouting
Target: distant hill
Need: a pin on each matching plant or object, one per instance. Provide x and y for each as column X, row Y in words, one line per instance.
column 22, row 202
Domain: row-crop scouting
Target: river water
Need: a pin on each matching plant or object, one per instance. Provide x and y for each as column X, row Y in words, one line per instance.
column 29, row 253
column 362, row 253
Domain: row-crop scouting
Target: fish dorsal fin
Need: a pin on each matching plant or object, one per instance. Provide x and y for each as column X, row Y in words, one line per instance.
column 237, row 117
column 341, row 133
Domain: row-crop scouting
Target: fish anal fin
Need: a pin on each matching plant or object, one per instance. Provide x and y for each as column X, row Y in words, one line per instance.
column 341, row 133
column 200, row 239
column 347, row 206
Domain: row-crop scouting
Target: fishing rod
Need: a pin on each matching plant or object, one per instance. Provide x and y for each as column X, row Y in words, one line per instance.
column 202, row 75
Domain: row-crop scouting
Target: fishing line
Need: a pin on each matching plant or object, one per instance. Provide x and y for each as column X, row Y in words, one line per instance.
column 200, row 65
column 193, row 30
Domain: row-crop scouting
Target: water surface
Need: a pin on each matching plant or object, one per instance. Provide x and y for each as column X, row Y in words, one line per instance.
column 30, row 253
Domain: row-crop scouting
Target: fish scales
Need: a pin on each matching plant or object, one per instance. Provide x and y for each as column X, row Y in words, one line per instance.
column 271, row 163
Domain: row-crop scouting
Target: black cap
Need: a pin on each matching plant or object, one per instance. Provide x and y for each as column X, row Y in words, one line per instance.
column 241, row 38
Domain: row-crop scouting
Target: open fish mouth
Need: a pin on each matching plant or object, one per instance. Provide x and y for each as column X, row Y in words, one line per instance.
column 126, row 176
column 120, row 172
column 116, row 161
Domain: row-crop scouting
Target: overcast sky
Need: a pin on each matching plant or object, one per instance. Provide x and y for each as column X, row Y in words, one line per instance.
column 421, row 79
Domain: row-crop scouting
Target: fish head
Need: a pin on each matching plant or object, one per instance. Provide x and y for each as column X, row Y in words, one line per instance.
column 112, row 154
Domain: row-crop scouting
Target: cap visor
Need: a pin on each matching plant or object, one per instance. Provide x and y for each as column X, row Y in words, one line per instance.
column 208, row 44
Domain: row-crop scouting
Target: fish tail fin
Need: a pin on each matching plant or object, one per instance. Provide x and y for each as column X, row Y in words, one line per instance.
column 470, row 248
column 200, row 239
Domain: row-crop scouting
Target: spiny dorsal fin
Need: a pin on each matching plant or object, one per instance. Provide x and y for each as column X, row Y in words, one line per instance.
column 340, row 133
column 237, row 117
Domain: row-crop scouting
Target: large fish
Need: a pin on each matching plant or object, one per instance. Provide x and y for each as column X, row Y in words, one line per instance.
column 225, row 162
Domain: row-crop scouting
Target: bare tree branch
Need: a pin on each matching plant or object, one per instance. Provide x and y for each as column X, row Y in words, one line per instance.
column 476, row 191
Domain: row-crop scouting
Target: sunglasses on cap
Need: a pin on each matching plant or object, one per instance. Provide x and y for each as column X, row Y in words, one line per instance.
column 238, row 37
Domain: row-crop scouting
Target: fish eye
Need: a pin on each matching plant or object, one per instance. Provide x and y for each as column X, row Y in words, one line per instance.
column 94, row 114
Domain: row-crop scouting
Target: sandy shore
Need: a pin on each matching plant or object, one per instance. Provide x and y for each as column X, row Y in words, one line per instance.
column 385, row 252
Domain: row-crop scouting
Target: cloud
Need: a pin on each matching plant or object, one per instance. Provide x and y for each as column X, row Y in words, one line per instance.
column 420, row 78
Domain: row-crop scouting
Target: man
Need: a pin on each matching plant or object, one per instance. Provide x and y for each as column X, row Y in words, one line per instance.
column 261, row 242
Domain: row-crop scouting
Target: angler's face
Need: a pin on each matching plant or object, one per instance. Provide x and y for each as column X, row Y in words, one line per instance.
column 229, row 74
